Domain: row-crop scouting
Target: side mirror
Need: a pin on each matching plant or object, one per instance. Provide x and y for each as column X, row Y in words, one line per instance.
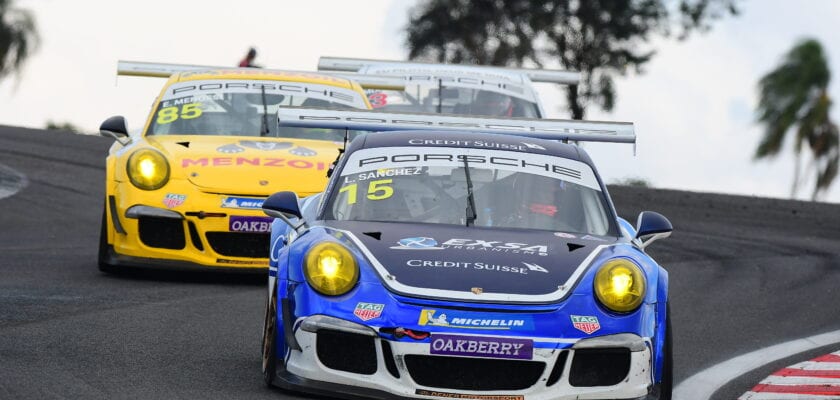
column 284, row 205
column 650, row 227
column 115, row 128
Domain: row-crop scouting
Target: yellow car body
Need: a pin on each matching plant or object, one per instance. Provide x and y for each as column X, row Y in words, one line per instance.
column 203, row 207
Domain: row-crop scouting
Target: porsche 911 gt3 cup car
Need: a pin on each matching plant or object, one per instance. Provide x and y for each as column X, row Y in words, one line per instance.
column 464, row 258
column 187, row 191
column 454, row 89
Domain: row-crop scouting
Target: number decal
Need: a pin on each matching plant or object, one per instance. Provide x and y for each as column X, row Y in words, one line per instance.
column 377, row 190
column 378, row 99
column 380, row 187
column 351, row 192
column 190, row 111
column 168, row 115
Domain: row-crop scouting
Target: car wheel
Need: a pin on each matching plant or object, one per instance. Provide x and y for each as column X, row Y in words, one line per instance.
column 103, row 246
column 269, row 342
column 663, row 390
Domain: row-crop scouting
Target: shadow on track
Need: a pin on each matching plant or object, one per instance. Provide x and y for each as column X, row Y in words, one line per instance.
column 190, row 277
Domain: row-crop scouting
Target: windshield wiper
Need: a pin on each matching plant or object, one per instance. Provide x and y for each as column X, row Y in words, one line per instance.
column 264, row 126
column 471, row 216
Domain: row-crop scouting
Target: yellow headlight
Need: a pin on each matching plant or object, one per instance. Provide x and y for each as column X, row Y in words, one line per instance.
column 147, row 169
column 330, row 269
column 620, row 285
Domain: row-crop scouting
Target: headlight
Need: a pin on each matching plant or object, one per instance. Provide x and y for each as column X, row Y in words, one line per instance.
column 330, row 269
column 148, row 169
column 620, row 285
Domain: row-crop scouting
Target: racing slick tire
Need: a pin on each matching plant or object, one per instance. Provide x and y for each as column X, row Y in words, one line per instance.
column 104, row 248
column 269, row 341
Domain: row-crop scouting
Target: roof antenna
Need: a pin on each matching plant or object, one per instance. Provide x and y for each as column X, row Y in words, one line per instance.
column 340, row 152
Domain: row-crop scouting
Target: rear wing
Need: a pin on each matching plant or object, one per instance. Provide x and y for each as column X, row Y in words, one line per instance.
column 535, row 75
column 551, row 129
column 163, row 70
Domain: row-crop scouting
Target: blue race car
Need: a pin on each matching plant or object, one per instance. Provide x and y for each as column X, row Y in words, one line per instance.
column 468, row 258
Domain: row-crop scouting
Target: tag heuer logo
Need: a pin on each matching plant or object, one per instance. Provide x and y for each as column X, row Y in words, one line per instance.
column 368, row 311
column 586, row 323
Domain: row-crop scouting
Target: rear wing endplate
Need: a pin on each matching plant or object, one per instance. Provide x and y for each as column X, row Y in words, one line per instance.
column 535, row 75
column 163, row 70
column 551, row 129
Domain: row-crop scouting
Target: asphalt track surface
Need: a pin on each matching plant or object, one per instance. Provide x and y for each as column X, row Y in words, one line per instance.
column 746, row 273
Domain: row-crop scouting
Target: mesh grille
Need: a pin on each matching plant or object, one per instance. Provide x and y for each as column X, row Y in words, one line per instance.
column 599, row 367
column 239, row 244
column 163, row 233
column 480, row 374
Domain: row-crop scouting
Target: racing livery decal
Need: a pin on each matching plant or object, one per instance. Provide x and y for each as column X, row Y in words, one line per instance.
column 245, row 203
column 473, row 320
column 368, row 311
column 450, row 395
column 479, row 346
column 250, row 224
column 172, row 200
column 586, row 323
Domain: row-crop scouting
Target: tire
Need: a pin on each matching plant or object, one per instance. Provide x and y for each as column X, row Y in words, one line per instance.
column 104, row 248
column 269, row 341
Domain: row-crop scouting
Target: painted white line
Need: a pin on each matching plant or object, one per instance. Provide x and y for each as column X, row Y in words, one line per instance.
column 780, row 396
column 704, row 384
column 801, row 380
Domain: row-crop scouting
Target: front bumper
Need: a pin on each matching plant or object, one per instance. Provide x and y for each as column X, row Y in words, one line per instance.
column 372, row 364
column 145, row 229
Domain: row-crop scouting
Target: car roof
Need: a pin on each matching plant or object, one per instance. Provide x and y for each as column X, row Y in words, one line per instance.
column 484, row 141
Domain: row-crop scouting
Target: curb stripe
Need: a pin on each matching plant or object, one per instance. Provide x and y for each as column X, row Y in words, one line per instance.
column 824, row 390
column 828, row 358
column 810, row 373
column 782, row 396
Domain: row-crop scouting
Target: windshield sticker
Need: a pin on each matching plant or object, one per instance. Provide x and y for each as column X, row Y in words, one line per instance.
column 475, row 143
column 478, row 346
column 587, row 324
column 427, row 243
column 255, row 161
column 479, row 266
column 168, row 115
column 376, row 190
column 245, row 203
column 218, row 88
column 172, row 200
column 538, row 164
column 473, row 320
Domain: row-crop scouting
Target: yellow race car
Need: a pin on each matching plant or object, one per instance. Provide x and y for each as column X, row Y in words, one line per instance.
column 187, row 191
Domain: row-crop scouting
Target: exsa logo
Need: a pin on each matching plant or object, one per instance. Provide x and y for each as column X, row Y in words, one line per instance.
column 427, row 243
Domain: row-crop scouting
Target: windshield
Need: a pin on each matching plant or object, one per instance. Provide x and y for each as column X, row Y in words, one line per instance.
column 452, row 100
column 432, row 185
column 245, row 108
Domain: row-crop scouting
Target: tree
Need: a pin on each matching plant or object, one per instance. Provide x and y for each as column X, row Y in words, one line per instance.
column 794, row 98
column 18, row 37
column 599, row 38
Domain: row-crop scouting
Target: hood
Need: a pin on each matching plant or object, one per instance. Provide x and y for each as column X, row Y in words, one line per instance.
column 249, row 165
column 478, row 264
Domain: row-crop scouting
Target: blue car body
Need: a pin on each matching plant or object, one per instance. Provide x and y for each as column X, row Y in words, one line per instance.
column 408, row 329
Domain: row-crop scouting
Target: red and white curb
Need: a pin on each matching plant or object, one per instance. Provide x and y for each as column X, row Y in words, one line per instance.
column 815, row 379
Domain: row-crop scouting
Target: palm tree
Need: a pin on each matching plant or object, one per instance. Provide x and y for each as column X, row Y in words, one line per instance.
column 794, row 98
column 18, row 37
